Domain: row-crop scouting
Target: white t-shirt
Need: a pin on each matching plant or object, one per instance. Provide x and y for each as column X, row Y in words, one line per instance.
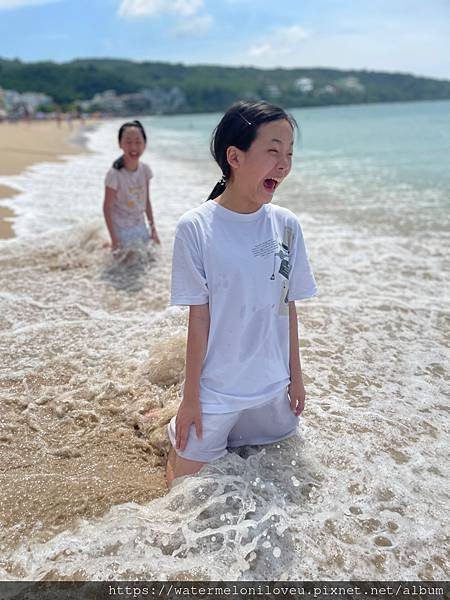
column 246, row 267
column 131, row 187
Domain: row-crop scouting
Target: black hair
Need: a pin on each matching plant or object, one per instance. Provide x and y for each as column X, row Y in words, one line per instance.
column 120, row 163
column 238, row 127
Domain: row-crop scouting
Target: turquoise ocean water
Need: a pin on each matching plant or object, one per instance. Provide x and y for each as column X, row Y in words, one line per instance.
column 89, row 346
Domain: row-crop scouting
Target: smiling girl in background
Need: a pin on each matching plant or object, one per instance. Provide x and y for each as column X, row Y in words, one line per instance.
column 127, row 192
column 240, row 263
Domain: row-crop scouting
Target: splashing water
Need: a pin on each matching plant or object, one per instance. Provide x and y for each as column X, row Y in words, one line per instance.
column 92, row 359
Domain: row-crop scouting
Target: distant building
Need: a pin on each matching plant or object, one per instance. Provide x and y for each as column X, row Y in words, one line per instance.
column 305, row 85
column 351, row 84
column 154, row 100
column 327, row 90
column 16, row 105
column 34, row 100
column 3, row 112
column 159, row 101
column 108, row 101
column 273, row 91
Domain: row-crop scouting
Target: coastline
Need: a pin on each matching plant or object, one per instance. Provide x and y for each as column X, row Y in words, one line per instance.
column 25, row 144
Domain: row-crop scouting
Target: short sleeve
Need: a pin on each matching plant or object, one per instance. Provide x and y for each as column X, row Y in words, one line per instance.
column 112, row 179
column 302, row 283
column 148, row 172
column 189, row 285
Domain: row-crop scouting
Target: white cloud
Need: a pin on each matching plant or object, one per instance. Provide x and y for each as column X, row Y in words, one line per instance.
column 388, row 45
column 186, row 7
column 283, row 41
column 152, row 8
column 292, row 34
column 262, row 50
column 11, row 4
column 194, row 26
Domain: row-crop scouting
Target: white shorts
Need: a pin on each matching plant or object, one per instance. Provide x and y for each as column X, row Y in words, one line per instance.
column 130, row 236
column 263, row 424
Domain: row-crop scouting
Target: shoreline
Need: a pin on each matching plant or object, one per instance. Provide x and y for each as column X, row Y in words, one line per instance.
column 25, row 144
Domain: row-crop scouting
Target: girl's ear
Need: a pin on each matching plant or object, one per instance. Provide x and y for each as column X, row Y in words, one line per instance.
column 234, row 156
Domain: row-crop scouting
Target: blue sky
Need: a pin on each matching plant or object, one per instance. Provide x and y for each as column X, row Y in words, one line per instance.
column 391, row 35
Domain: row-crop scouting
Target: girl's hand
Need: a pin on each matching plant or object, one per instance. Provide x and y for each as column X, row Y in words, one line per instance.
column 155, row 236
column 297, row 395
column 189, row 413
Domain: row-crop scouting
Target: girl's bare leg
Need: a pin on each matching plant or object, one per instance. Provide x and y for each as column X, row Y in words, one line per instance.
column 177, row 466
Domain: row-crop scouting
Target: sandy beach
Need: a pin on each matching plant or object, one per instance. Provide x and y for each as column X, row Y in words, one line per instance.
column 24, row 144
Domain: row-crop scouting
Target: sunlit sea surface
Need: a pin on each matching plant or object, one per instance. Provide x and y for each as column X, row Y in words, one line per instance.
column 89, row 347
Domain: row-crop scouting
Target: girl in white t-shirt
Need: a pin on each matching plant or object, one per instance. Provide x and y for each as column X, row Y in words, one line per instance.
column 240, row 263
column 127, row 192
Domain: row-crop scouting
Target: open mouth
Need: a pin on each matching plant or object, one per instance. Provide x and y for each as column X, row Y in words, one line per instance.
column 270, row 184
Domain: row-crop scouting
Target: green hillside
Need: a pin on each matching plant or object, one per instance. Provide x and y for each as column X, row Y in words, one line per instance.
column 213, row 88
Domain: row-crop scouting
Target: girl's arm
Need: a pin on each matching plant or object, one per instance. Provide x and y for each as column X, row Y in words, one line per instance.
column 296, row 388
column 189, row 412
column 149, row 213
column 110, row 198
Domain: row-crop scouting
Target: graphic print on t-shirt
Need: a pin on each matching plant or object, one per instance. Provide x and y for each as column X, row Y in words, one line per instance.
column 134, row 196
column 280, row 250
column 284, row 270
column 265, row 248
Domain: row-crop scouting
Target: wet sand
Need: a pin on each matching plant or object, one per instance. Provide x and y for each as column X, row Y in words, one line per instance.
column 25, row 144
column 73, row 445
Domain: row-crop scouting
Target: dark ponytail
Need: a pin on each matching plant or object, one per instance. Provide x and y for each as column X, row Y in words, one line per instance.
column 120, row 162
column 218, row 189
column 238, row 127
